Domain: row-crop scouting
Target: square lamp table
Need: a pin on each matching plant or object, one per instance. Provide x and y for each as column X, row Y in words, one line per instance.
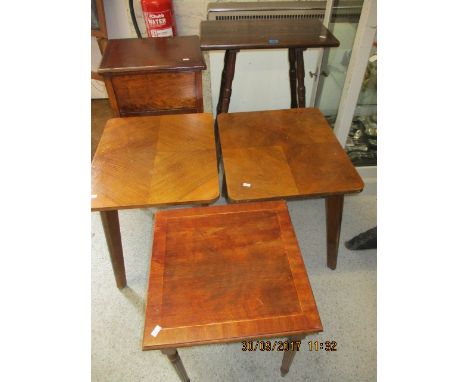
column 224, row 274
column 151, row 161
column 289, row 153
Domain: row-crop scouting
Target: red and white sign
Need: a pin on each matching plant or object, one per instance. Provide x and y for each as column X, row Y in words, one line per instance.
column 159, row 18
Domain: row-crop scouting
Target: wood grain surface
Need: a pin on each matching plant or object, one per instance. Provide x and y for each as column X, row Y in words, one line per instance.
column 158, row 160
column 283, row 153
column 157, row 93
column 152, row 54
column 265, row 34
column 224, row 274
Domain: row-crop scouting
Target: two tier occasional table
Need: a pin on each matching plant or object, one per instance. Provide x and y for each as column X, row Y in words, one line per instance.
column 227, row 274
column 294, row 34
column 151, row 161
column 287, row 154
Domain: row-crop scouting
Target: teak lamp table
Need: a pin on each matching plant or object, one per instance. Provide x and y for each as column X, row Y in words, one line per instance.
column 151, row 161
column 282, row 154
column 294, row 34
column 226, row 274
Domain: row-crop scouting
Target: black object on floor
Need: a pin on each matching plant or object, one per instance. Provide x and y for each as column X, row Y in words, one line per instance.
column 365, row 240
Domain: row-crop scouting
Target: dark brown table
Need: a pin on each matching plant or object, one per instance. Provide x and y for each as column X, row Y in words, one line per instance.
column 294, row 34
column 153, row 76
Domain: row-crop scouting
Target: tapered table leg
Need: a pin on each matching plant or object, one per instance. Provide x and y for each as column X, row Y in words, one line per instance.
column 224, row 187
column 334, row 210
column 226, row 86
column 110, row 223
column 177, row 363
column 300, row 77
column 292, row 76
column 288, row 356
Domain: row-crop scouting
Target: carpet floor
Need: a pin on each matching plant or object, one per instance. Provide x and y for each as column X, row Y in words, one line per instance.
column 346, row 299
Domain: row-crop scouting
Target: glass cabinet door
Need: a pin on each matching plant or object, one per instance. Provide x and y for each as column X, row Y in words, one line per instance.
column 361, row 143
column 361, row 139
column 343, row 25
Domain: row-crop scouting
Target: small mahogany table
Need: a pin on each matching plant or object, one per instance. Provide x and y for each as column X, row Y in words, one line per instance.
column 153, row 76
column 227, row 274
column 151, row 161
column 287, row 154
column 294, row 34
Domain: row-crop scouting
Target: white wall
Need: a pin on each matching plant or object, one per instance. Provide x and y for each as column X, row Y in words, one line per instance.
column 261, row 79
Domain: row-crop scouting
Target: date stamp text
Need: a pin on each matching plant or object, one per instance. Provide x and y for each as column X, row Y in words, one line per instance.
column 288, row 346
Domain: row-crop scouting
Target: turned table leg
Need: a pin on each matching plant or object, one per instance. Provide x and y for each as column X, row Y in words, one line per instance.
column 177, row 363
column 223, row 82
column 110, row 223
column 334, row 210
column 288, row 356
column 292, row 76
column 300, row 77
column 226, row 85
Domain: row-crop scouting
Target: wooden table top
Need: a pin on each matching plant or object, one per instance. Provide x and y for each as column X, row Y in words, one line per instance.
column 265, row 34
column 283, row 153
column 157, row 160
column 226, row 273
column 162, row 54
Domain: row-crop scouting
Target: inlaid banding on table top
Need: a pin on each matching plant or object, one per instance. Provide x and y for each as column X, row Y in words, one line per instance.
column 283, row 153
column 156, row 160
column 235, row 331
column 227, row 272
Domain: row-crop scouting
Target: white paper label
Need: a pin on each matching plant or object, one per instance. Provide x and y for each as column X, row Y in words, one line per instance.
column 161, row 32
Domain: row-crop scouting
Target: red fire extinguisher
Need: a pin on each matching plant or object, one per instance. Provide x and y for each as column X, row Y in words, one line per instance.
column 159, row 18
